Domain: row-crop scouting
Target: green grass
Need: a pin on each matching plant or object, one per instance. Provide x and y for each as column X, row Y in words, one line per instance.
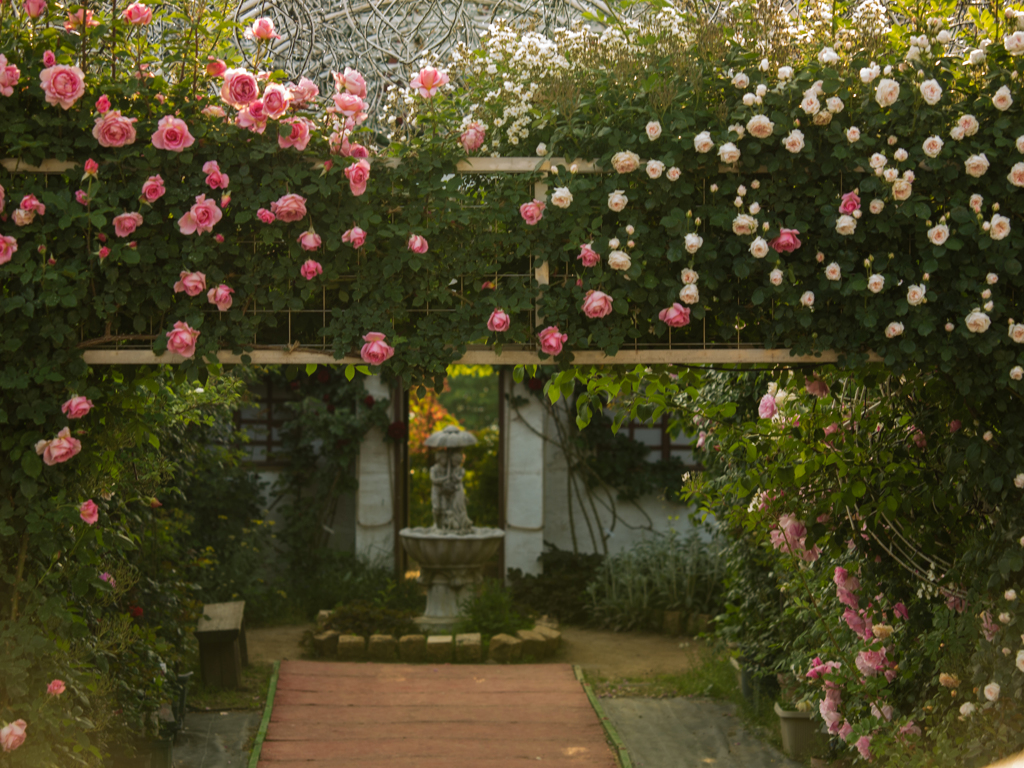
column 252, row 694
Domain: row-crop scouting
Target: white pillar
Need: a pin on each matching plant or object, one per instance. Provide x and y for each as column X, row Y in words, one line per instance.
column 375, row 529
column 524, row 499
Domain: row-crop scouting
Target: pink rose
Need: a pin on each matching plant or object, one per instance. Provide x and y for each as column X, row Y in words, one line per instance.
column 202, row 217
column 8, row 247
column 311, row 269
column 239, row 88
column 103, row 252
column 375, row 351
column 265, row 216
column 787, row 241
column 192, row 283
column 138, row 14
column 76, row 407
column 309, row 240
column 58, row 449
column 499, row 321
column 358, row 174
column 289, row 207
column 216, row 67
column 153, row 189
column 214, row 178
column 532, row 212
column 355, row 236
column 103, row 104
column 82, row 197
column 63, row 85
column 89, row 512
column 9, row 76
column 816, row 387
column 56, row 687
column 253, row 117
column 675, row 316
column 221, row 296
column 299, row 137
column 473, row 137
column 588, row 256
column 351, row 82
column 304, row 92
column 34, row 8
column 275, row 100
column 418, row 244
column 108, row 579
column 767, row 408
column 91, row 168
column 597, row 304
column 262, row 29
column 349, row 105
column 849, row 204
column 12, row 735
column 126, row 223
column 49, row 59
column 172, row 135
column 551, row 340
column 182, row 340
column 428, row 80
column 32, row 203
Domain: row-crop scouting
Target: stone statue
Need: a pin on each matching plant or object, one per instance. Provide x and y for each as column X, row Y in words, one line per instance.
column 448, row 495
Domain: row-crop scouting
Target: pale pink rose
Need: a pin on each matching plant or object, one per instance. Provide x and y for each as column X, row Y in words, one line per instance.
column 655, row 168
column 849, row 203
column 266, row 216
column 692, row 242
column 1015, row 176
column 853, row 134
column 8, row 247
column 675, row 316
column 153, row 189
column 77, row 407
column 893, row 329
column 931, row 91
column 759, row 248
column 991, row 691
column 351, row 81
column 221, row 296
column 916, row 294
column 202, row 217
column 876, row 206
column 303, row 93
column 833, row 272
column 977, row 322
column 775, row 278
column 760, row 126
column 673, row 174
column 262, row 29
column 807, row 299
column 625, row 162
column 239, row 88
column 902, row 189
column 310, row 269
column 309, row 240
column 191, row 283
column 1014, row 43
column 932, row 146
column 617, row 201
column 290, row 207
column 89, row 512
column 213, row 111
column 689, row 294
column 597, row 304
column 1002, row 100
column 62, row 85
column 58, row 449
column 561, row 197
column 498, row 322
column 216, row 68
column 418, row 244
column 766, row 409
column 887, row 92
column 653, row 130
column 810, row 104
column 551, row 340
column 358, row 174
column 108, row 579
column 12, row 735
column 588, row 256
column 938, row 234
column 172, row 135
column 427, row 81
column 786, row 242
column 56, row 687
column 999, row 227
column 349, row 105
column 744, row 224
column 702, row 142
column 473, row 137
column 23, row 218
column 299, row 137
column 126, row 223
column 355, row 236
column 182, row 340
column 968, row 124
column 976, row 165
column 376, row 351
column 34, row 8
column 619, row 261
column 689, row 276
column 214, row 178
column 81, row 18
column 863, row 745
column 794, row 141
column 138, row 14
column 113, row 130
column 729, row 153
column 532, row 212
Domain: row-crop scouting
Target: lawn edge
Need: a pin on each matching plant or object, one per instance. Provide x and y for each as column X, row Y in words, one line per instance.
column 606, row 723
column 257, row 747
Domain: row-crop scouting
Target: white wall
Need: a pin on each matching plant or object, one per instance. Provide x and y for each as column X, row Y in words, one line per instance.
column 523, row 435
column 375, row 471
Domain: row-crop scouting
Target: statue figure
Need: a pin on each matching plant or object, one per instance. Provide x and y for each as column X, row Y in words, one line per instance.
column 448, row 495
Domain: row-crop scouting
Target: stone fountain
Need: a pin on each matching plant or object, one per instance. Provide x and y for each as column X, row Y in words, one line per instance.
column 452, row 552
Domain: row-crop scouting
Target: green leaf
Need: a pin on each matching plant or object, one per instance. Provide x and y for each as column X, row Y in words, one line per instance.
column 31, row 464
column 310, row 369
column 858, row 489
column 350, row 372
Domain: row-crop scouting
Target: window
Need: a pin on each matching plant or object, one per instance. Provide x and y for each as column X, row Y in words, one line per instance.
column 656, row 437
column 263, row 419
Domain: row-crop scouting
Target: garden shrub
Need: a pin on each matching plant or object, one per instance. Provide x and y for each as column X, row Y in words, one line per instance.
column 491, row 611
column 560, row 590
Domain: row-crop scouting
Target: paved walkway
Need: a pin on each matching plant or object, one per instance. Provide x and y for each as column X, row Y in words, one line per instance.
column 432, row 716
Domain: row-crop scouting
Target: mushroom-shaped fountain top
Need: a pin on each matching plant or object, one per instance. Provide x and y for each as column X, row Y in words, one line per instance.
column 450, row 437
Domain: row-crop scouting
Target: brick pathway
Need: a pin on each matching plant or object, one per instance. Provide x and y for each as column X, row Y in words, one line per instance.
column 432, row 716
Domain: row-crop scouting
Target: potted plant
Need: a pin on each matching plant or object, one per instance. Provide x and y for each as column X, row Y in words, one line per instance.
column 801, row 736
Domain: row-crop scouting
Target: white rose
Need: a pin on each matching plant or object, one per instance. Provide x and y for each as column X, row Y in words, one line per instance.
column 868, row 74
column 834, row 104
column 876, row 206
column 944, row 37
column 542, row 149
column 759, row 248
column 976, row 202
column 775, row 278
column 969, row 124
column 655, row 168
column 833, row 272
column 893, row 329
column 891, row 174
column 702, row 142
column 1011, row 594
column 794, row 142
column 877, row 160
column 957, row 133
column 738, row 129
column 693, row 242
column 846, row 225
column 1020, row 144
column 853, row 134
column 761, row 90
column 1002, row 99
column 977, row 57
column 828, row 56
column 966, row 709
column 728, row 153
column 561, row 197
column 1000, row 227
column 749, row 99
column 689, row 277
column 755, row 208
column 673, row 174
column 932, row 146
column 876, row 283
column 887, row 92
column 740, row 80
column 760, row 126
column 938, row 234
column 1020, row 660
column 785, row 73
column 992, row 691
column 613, row 243
column 689, row 294
column 1019, row 482
column 764, row 66
column 1016, row 175
column 807, row 299
column 977, row 321
column 822, row 118
column 976, row 165
column 617, row 200
column 931, row 91
column 991, row 278
column 900, row 155
column 810, row 103
column 619, row 261
column 902, row 189
column 625, row 162
column 915, row 294
column 744, row 225
column 653, row 130
column 1016, row 332
column 1014, row 44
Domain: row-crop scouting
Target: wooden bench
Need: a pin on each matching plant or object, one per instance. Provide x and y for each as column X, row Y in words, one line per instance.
column 222, row 650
